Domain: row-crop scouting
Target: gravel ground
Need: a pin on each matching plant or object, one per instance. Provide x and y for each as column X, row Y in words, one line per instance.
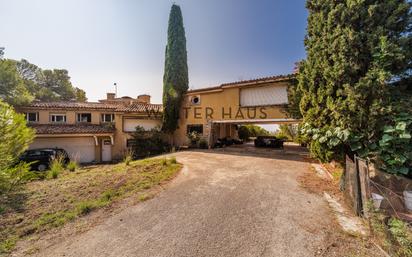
column 224, row 203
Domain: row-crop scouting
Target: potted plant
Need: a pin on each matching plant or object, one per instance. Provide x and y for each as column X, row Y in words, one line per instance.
column 194, row 138
column 203, row 143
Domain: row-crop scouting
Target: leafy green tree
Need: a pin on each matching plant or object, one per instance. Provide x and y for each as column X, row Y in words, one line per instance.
column 15, row 138
column 394, row 148
column 243, row 133
column 356, row 52
column 176, row 78
column 294, row 95
column 289, row 131
column 247, row 131
column 12, row 87
column 22, row 82
column 80, row 95
column 1, row 52
column 58, row 82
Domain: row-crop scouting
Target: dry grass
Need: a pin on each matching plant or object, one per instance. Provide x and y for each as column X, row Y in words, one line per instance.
column 336, row 241
column 52, row 203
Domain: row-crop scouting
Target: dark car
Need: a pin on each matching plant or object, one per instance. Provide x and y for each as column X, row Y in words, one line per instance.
column 268, row 141
column 221, row 142
column 40, row 159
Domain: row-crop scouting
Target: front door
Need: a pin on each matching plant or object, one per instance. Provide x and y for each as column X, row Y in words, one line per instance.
column 107, row 150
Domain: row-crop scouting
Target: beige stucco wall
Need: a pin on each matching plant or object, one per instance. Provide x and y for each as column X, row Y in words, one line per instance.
column 120, row 139
column 71, row 116
column 221, row 104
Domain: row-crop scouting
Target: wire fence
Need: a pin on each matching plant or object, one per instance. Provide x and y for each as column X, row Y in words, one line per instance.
column 365, row 184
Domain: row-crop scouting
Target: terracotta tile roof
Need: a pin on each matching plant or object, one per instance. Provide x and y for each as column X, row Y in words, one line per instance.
column 73, row 105
column 115, row 107
column 140, row 107
column 71, row 129
column 265, row 79
column 247, row 82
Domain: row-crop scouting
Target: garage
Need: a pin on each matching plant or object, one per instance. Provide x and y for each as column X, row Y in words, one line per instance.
column 81, row 149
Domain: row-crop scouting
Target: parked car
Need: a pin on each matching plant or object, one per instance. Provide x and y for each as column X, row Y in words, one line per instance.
column 226, row 141
column 268, row 141
column 40, row 159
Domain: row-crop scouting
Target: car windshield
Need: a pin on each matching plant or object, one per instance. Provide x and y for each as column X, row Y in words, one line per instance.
column 48, row 152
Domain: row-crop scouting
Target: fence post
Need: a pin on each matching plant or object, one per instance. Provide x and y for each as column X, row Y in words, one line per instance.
column 359, row 205
column 362, row 170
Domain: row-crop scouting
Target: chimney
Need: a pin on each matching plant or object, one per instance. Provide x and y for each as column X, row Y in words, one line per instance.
column 143, row 99
column 111, row 96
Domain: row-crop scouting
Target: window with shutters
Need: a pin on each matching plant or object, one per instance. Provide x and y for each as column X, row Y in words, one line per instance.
column 261, row 96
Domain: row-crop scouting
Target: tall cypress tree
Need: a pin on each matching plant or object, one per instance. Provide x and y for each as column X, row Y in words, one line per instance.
column 175, row 79
column 356, row 52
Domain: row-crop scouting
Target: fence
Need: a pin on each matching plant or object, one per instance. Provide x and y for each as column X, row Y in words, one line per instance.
column 362, row 180
column 357, row 184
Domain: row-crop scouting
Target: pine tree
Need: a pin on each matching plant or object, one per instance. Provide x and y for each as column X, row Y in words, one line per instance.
column 175, row 79
column 356, row 52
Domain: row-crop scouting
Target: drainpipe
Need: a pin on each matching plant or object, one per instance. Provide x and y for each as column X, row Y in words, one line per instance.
column 96, row 141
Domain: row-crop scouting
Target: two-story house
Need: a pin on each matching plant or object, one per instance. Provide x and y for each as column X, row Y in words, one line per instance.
column 101, row 131
column 91, row 131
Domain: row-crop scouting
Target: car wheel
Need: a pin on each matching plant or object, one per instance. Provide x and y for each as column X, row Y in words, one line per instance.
column 41, row 167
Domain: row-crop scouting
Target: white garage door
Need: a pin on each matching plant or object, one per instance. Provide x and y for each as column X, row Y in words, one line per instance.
column 269, row 95
column 81, row 149
column 131, row 124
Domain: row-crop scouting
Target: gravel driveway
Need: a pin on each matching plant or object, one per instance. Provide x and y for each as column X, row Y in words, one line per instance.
column 223, row 203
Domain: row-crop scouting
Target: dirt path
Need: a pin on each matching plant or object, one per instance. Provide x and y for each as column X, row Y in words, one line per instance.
column 222, row 204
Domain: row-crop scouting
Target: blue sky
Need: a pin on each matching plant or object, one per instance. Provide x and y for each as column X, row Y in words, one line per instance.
column 105, row 41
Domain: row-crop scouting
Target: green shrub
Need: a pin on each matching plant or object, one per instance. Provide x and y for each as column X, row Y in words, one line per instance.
column 15, row 138
column 56, row 167
column 203, row 143
column 243, row 133
column 128, row 157
column 402, row 237
column 324, row 144
column 88, row 206
column 247, row 131
column 289, row 132
column 392, row 234
column 194, row 138
column 282, row 136
column 85, row 207
column 395, row 146
column 173, row 160
column 144, row 197
column 7, row 245
column 109, row 195
column 72, row 166
column 148, row 143
column 13, row 178
column 53, row 219
column 53, row 174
